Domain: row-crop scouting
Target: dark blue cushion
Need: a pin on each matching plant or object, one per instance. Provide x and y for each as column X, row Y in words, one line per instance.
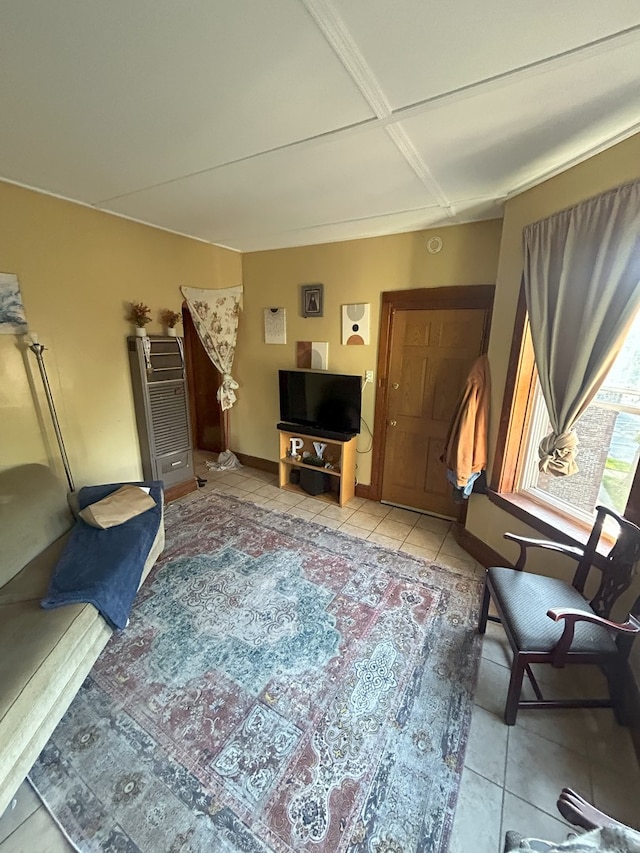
column 104, row 567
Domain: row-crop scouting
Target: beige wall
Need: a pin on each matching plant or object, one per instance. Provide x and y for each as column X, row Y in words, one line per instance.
column 78, row 270
column 354, row 271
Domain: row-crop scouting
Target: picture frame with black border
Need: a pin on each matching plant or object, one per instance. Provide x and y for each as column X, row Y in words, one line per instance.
column 311, row 300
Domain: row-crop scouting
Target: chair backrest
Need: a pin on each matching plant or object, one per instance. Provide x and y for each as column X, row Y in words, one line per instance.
column 617, row 566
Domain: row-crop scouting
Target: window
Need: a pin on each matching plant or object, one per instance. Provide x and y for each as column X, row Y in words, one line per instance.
column 608, row 432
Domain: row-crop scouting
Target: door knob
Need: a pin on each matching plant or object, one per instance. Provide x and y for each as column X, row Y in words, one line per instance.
column 393, row 423
column 395, row 386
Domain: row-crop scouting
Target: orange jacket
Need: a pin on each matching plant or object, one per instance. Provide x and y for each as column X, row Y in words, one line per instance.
column 465, row 450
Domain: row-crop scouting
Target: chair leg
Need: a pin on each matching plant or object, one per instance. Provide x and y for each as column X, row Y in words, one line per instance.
column 615, row 678
column 484, row 610
column 515, row 688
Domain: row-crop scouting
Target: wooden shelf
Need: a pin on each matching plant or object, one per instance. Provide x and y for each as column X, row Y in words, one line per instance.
column 296, row 464
column 341, row 454
column 325, row 497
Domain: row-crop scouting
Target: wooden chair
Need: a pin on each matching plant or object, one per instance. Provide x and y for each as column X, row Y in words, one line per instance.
column 549, row 621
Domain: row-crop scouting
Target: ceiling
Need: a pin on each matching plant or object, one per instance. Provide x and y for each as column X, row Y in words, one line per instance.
column 259, row 124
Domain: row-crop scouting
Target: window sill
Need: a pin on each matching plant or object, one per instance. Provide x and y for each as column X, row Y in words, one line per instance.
column 544, row 519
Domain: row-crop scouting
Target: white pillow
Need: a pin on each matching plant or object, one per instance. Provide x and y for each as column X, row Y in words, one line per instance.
column 118, row 507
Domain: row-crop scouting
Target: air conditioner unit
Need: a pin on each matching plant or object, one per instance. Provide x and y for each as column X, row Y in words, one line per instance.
column 162, row 411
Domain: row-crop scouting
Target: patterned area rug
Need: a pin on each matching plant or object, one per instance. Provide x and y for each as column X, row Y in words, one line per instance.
column 281, row 686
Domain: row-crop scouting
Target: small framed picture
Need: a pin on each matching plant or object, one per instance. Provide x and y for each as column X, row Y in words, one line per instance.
column 311, row 299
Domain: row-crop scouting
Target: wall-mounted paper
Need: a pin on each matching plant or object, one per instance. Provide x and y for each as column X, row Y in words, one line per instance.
column 355, row 324
column 275, row 325
column 312, row 354
column 12, row 317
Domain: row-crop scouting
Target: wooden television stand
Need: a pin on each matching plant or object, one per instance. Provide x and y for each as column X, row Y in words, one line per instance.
column 340, row 453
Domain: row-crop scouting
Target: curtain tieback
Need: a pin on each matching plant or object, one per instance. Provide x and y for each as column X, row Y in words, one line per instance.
column 557, row 452
column 229, row 382
column 226, row 392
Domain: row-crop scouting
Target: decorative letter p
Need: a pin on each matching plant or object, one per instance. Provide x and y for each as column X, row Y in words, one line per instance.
column 296, row 445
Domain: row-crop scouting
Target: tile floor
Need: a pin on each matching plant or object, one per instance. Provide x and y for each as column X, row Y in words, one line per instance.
column 512, row 776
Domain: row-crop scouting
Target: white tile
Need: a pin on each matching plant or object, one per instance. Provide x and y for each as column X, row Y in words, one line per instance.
column 530, row 822
column 356, row 503
column 609, row 744
column 375, row 508
column 25, row 803
column 277, row 506
column 560, row 683
column 255, row 498
column 566, row 727
column 325, row 521
column 289, row 498
column 365, row 520
column 269, row 491
column 477, row 820
column 538, row 769
column 404, row 516
column 347, row 527
column 387, row 541
column 233, row 490
column 467, row 567
column 425, row 538
column 38, row 833
column 264, row 476
column 451, row 548
column 416, row 551
column 617, row 794
column 491, row 690
column 592, row 681
column 495, row 645
column 487, row 746
column 251, row 484
column 230, row 479
column 338, row 513
column 314, row 505
column 435, row 525
column 297, row 512
column 392, row 529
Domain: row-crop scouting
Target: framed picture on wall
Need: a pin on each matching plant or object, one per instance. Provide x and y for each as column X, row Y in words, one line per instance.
column 311, row 299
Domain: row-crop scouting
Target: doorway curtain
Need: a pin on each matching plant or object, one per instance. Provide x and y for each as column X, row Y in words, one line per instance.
column 582, row 286
column 215, row 317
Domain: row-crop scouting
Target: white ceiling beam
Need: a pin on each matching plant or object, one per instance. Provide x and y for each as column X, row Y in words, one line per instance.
column 335, row 31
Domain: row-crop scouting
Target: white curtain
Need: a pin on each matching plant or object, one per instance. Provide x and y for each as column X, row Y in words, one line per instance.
column 215, row 316
column 582, row 285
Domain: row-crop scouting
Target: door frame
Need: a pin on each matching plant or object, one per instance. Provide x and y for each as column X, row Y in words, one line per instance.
column 192, row 340
column 421, row 299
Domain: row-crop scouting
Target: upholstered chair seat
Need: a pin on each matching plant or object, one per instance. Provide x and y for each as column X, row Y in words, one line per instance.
column 524, row 599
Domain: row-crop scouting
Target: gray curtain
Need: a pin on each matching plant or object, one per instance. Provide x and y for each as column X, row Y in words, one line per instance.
column 582, row 285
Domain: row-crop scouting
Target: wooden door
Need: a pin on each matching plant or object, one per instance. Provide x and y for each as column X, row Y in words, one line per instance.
column 431, row 354
column 203, row 381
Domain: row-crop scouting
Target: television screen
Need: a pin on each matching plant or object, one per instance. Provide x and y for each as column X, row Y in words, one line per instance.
column 323, row 401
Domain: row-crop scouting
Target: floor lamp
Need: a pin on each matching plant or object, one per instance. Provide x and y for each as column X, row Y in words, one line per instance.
column 37, row 349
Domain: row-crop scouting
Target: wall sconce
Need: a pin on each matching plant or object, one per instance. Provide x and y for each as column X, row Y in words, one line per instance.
column 37, row 349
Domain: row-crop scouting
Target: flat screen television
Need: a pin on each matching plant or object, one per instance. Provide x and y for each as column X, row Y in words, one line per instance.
column 326, row 402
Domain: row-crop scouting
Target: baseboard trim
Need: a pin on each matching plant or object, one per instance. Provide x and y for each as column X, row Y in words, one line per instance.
column 478, row 549
column 363, row 490
column 258, row 462
column 180, row 490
